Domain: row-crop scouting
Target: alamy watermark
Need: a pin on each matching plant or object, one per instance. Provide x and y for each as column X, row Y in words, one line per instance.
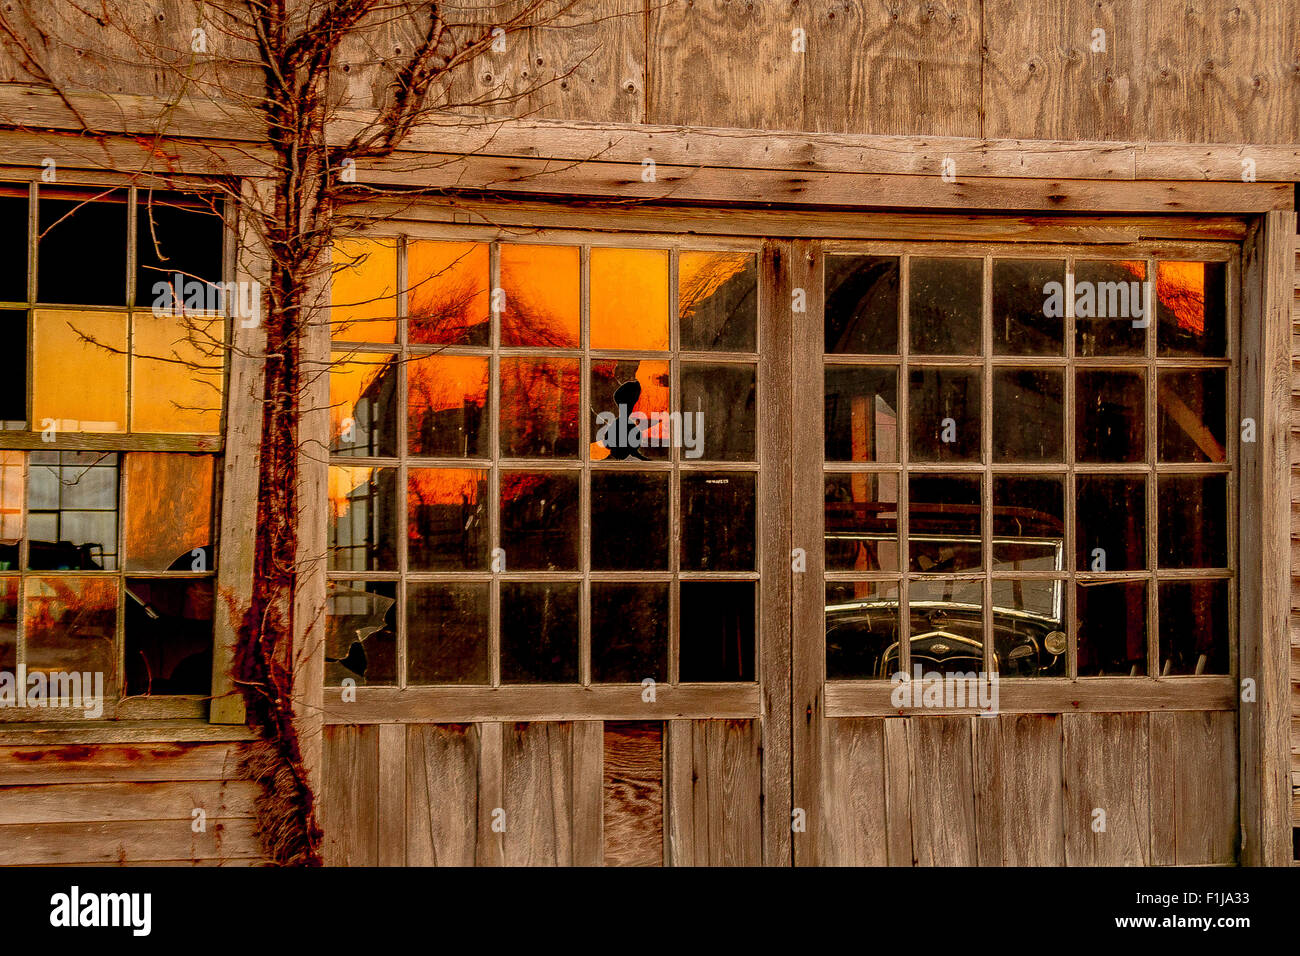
column 182, row 295
column 637, row 430
column 931, row 690
column 75, row 690
column 1101, row 300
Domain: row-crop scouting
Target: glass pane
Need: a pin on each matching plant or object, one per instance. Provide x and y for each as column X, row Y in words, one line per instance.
column 1030, row 638
column 629, row 632
column 717, row 631
column 363, row 290
column 446, row 633
column 1109, row 297
column 861, row 522
column 947, row 619
column 539, row 633
column 861, row 630
column 168, row 636
column 72, row 511
column 542, row 298
column 631, row 403
column 1111, row 416
column 1028, row 415
column 447, row 300
column 361, row 633
column 539, row 407
column 13, row 369
column 862, row 304
column 717, row 300
column 11, row 508
column 540, row 521
column 363, row 519
column 861, row 413
column 446, row 407
column 1192, row 410
column 945, row 301
column 1192, row 530
column 13, row 242
column 1193, row 627
column 70, row 625
column 1111, row 523
column 1112, row 621
column 177, row 235
column 943, row 523
column 1027, row 318
column 1191, row 308
column 945, row 414
column 718, row 412
column 176, row 373
column 447, row 519
column 629, row 521
column 629, row 299
column 81, row 249
column 9, row 623
column 77, row 385
column 169, row 512
column 363, row 405
column 1028, row 524
column 717, row 521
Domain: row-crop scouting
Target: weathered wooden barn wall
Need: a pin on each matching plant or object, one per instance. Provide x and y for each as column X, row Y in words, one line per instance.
column 1213, row 71
column 125, row 803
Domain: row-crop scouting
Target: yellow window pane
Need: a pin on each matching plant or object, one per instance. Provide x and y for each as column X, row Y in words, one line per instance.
column 447, row 296
column 542, row 295
column 176, row 373
column 629, row 299
column 79, row 371
column 168, row 511
column 363, row 290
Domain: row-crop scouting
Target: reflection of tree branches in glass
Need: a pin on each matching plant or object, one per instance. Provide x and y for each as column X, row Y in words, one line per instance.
column 539, row 406
column 61, row 612
column 528, row 318
column 717, row 299
column 443, row 312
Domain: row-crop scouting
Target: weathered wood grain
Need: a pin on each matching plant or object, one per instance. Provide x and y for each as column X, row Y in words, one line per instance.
column 106, row 802
column 854, row 814
column 538, row 790
column 1018, row 790
column 442, row 794
column 109, row 763
column 943, row 790
column 126, row 840
column 633, row 794
column 1105, row 763
column 588, row 793
column 898, row 795
column 349, row 804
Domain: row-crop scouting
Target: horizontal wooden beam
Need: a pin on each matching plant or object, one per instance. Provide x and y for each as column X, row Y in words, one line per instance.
column 1049, row 696
column 414, row 705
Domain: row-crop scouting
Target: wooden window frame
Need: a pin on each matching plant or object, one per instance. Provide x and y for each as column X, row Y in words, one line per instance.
column 152, row 707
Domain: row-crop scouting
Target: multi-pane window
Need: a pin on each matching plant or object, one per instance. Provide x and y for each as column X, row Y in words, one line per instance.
column 110, row 418
column 1030, row 455
column 543, row 464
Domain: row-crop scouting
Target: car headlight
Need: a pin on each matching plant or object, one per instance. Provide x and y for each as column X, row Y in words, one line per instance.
column 1056, row 642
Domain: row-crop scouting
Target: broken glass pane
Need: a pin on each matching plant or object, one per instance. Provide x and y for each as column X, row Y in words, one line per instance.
column 168, row 636
column 81, row 249
column 361, row 633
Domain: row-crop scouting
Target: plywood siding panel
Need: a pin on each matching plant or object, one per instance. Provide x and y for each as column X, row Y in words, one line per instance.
column 855, row 815
column 442, row 775
column 943, row 791
column 349, row 803
column 633, row 794
column 892, row 68
column 1018, row 790
column 1104, row 761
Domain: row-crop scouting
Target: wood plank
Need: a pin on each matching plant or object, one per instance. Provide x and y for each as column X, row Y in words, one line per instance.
column 1206, row 788
column 680, row 786
column 109, row 763
column 104, row 802
column 774, row 508
column 1052, row 696
column 898, row 796
column 1019, row 800
column 537, row 761
column 588, row 784
column 490, row 844
column 855, row 811
column 1164, row 780
column 126, row 840
column 442, row 793
column 392, row 795
column 623, row 181
column 943, row 791
column 121, row 732
column 735, row 793
column 349, row 805
column 633, row 794
column 1105, row 764
column 464, row 704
